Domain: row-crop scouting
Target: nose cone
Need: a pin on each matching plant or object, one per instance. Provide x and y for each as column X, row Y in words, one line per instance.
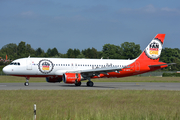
column 6, row 70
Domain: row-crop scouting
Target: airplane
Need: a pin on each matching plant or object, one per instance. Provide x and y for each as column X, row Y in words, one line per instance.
column 73, row 70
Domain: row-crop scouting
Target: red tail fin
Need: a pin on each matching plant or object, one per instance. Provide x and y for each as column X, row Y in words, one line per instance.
column 153, row 50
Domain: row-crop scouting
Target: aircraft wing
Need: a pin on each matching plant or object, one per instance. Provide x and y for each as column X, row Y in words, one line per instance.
column 97, row 71
column 161, row 65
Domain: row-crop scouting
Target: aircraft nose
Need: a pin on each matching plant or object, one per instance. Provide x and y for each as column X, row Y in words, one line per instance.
column 6, row 69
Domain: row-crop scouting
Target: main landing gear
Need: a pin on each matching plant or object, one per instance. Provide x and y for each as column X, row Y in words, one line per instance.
column 27, row 82
column 90, row 83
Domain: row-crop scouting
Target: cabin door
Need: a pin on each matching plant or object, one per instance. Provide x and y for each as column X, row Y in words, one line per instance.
column 29, row 64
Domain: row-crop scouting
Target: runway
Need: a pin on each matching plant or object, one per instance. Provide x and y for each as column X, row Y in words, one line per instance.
column 97, row 86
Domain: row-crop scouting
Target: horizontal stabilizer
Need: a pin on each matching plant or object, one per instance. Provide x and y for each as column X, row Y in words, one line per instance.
column 161, row 65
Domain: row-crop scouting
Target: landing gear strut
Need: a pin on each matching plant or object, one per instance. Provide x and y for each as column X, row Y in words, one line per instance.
column 90, row 83
column 27, row 82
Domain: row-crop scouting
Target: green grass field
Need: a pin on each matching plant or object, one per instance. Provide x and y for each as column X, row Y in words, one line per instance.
column 8, row 79
column 90, row 105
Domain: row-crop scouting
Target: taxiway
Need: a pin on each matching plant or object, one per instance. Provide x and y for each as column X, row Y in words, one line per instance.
column 97, row 86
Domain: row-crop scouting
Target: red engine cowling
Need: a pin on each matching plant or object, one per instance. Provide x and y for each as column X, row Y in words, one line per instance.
column 71, row 78
column 53, row 79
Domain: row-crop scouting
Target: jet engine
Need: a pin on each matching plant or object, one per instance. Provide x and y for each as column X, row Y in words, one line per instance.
column 71, row 78
column 53, row 79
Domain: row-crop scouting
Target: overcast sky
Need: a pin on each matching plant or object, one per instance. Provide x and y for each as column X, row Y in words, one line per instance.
column 85, row 24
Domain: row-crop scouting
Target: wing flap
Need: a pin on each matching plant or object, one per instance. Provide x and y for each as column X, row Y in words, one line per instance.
column 104, row 70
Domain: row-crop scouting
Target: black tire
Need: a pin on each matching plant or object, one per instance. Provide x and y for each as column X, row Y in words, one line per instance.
column 87, row 83
column 78, row 84
column 26, row 84
column 90, row 83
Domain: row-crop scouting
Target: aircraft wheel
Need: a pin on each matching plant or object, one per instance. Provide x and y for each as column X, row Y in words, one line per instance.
column 87, row 83
column 78, row 84
column 26, row 83
column 90, row 83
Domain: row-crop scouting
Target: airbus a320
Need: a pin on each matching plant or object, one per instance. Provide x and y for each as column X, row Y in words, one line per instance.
column 73, row 71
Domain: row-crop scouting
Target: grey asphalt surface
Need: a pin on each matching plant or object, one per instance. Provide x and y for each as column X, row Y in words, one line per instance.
column 97, row 86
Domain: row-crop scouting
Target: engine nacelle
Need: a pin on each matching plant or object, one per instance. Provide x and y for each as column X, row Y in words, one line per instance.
column 53, row 79
column 71, row 78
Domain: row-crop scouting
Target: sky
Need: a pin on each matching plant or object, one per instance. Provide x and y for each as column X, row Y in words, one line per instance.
column 82, row 24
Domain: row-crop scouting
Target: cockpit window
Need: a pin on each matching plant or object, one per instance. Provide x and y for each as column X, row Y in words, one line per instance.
column 15, row 63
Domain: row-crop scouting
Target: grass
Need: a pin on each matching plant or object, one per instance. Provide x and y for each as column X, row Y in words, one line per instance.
column 139, row 79
column 13, row 79
column 10, row 79
column 90, row 104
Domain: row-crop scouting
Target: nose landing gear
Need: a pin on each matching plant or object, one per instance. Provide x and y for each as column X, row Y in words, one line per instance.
column 27, row 81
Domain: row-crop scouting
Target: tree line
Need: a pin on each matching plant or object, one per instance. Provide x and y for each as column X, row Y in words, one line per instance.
column 127, row 50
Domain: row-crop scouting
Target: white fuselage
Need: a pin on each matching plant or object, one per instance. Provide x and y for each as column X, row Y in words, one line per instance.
column 58, row 66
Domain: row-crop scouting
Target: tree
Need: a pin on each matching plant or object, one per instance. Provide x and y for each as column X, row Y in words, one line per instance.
column 81, row 56
column 130, row 50
column 169, row 55
column 90, row 53
column 49, row 52
column 54, row 52
column 73, row 53
column 21, row 49
column 39, row 52
column 70, row 53
column 29, row 51
column 10, row 50
column 111, row 51
column 76, row 52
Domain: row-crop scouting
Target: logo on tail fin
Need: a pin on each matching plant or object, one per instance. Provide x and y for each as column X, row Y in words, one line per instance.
column 154, row 48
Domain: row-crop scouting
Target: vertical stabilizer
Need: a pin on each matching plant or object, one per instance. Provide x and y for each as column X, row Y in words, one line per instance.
column 153, row 50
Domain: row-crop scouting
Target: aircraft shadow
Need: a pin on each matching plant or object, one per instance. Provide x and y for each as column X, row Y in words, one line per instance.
column 84, row 86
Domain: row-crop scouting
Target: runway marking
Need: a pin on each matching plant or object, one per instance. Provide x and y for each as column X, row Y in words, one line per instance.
column 3, row 85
